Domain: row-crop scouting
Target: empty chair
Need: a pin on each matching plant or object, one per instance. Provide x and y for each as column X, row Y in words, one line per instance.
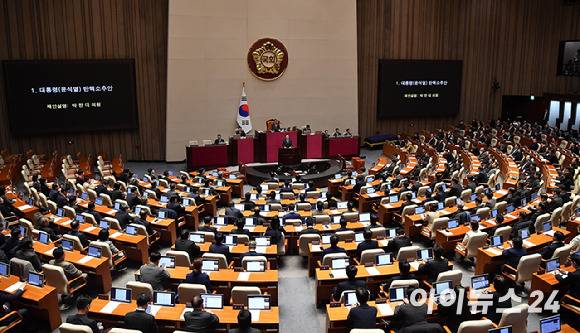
column 438, row 224
column 243, row 239
column 453, row 275
column 139, row 288
column 89, row 218
column 303, row 242
column 240, row 294
column 369, row 256
column 351, row 216
column 450, row 201
column 181, row 258
column 517, row 317
column 72, row 328
column 69, row 212
column 106, row 200
column 556, row 216
column 539, row 224
column 322, row 219
column 113, row 222
column 405, row 283
column 246, row 259
column 407, row 252
column 186, row 291
column 303, row 206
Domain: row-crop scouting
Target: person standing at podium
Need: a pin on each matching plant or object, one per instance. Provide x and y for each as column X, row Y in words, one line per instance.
column 287, row 143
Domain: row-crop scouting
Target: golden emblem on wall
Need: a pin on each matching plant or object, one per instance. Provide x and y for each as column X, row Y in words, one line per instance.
column 267, row 59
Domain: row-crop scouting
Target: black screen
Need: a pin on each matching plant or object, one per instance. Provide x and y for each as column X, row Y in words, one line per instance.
column 411, row 88
column 569, row 58
column 53, row 96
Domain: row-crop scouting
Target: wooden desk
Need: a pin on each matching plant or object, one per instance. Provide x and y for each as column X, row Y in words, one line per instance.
column 170, row 318
column 207, row 156
column 289, row 156
column 236, row 252
column 42, row 302
column 98, row 267
column 546, row 283
column 336, row 317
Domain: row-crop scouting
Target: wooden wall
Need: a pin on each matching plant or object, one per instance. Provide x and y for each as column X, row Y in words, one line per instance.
column 94, row 29
column 515, row 41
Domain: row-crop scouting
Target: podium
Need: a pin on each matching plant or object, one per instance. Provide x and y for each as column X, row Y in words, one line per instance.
column 289, row 156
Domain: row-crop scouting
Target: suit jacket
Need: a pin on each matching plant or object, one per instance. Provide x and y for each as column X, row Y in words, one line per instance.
column 513, row 256
column 200, row 321
column 397, row 243
column 232, row 211
column 309, row 230
column 550, row 249
column 30, row 255
column 411, row 314
column 69, row 269
column 223, row 249
column 154, row 275
column 363, row 316
column 188, row 246
column 142, row 321
column 455, row 190
column 123, row 218
column 366, row 245
column 287, row 143
column 331, row 249
column 573, row 280
column 201, row 278
column 433, row 268
column 293, row 215
column 83, row 319
column 348, row 285
column 116, row 194
column 7, row 298
column 84, row 241
column 96, row 215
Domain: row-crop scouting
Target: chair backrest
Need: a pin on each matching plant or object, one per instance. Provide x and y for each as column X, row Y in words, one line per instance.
column 254, row 258
column 92, row 194
column 474, row 243
column 517, row 317
column 405, row 283
column 55, row 277
column 313, row 194
column 89, row 218
column 409, row 210
column 72, row 328
column 25, row 223
column 500, row 206
column 243, row 239
column 181, row 258
column 505, row 232
column 145, row 208
column 114, row 223
column 566, row 212
column 344, row 235
column 303, row 242
column 483, row 213
column 69, row 212
column 123, row 330
column 20, row 267
column 466, row 195
column 563, row 252
column 43, row 200
column 475, row 326
column 528, row 265
column 351, row 216
column 77, row 245
column 305, row 206
column 288, row 195
column 208, row 236
column 322, row 219
column 327, row 260
column 407, row 252
column 281, row 246
column 139, row 288
column 423, row 189
column 151, row 194
column 105, row 251
column 438, row 224
column 240, row 294
column 186, row 291
column 369, row 255
column 455, row 275
column 51, row 205
column 450, row 201
column 223, row 262
column 378, row 232
column 106, row 200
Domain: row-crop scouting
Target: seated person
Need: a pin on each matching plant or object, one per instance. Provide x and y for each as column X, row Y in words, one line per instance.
column 197, row 276
column 259, row 219
column 104, row 237
column 435, row 266
column 319, row 209
column 292, row 214
column 205, row 225
column 82, row 318
column 186, row 245
column 334, row 248
column 69, row 269
column 248, row 203
column 513, row 254
column 44, row 221
column 74, row 225
column 362, row 315
column 219, row 140
column 199, row 320
column 27, row 253
column 501, row 286
column 175, row 205
column 153, row 274
column 218, row 247
column 350, row 284
column 572, row 279
column 557, row 241
column 398, row 242
column 374, row 222
column 367, row 244
column 252, row 250
column 343, row 223
column 240, row 229
column 274, row 231
column 405, row 274
column 244, row 321
column 472, row 233
column 309, row 227
column 414, row 317
column 142, row 220
column 139, row 319
column 122, row 215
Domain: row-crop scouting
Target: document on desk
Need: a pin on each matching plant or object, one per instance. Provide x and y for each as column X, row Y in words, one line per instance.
column 25, row 207
column 366, row 224
column 316, row 248
column 110, row 307
column 13, row 287
column 373, row 270
column 339, row 273
column 334, row 212
column 414, row 264
column 511, row 216
column 244, row 276
column 447, row 233
column 67, row 222
column 255, row 315
column 112, row 212
column 56, row 219
column 261, row 249
column 492, row 222
column 251, row 229
column 550, row 233
column 385, row 309
column 117, row 234
column 49, row 252
column 494, row 251
column 384, row 242
column 85, row 260
column 444, row 212
column 154, row 309
column 501, row 192
column 373, row 195
column 89, row 229
column 389, row 206
column 528, row 243
column 298, row 229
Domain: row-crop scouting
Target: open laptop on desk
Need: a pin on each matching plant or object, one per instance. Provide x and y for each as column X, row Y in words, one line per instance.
column 131, row 230
column 36, row 279
column 384, row 259
column 339, row 263
column 259, row 302
column 553, row 265
column 255, row 266
column 452, row 224
column 391, row 233
column 441, row 289
column 262, row 240
column 230, row 240
column 121, row 295
column 479, row 283
column 326, row 239
column 397, row 294
column 364, row 217
column 505, row 329
column 43, row 237
column 210, row 265
column 67, row 245
column 550, row 324
column 94, row 251
column 98, row 201
column 349, row 298
column 104, row 224
column 163, row 298
column 496, row 241
column 168, row 261
column 359, row 237
column 4, row 270
column 342, row 205
column 220, row 220
column 425, row 254
column 197, row 238
column 213, row 301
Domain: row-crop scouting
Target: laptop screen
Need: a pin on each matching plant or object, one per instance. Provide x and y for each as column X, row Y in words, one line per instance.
column 452, row 224
column 94, row 251
column 212, row 265
column 239, row 206
column 164, row 198
column 213, row 301
column 121, row 295
column 552, row 264
column 43, row 237
column 59, row 212
column 494, row 213
column 534, row 196
column 384, row 259
column 162, row 214
column 524, row 233
column 219, row 220
column 230, row 240
column 253, row 196
column 4, row 270
column 370, row 190
column 338, row 176
column 80, row 218
column 138, row 211
column 131, row 230
column 425, row 254
column 85, row 196
column 524, row 201
column 480, row 281
column 219, row 183
column 325, row 239
column 396, row 294
column 391, row 233
column 350, row 298
column 255, row 266
column 496, row 240
column 264, row 187
column 505, row 329
column 335, row 219
column 99, row 201
column 475, row 218
column 419, row 210
column 339, row 263
column 342, row 205
column 262, row 241
column 393, row 199
column 186, row 202
column 67, row 245
column 197, row 238
column 104, row 224
column 510, row 208
column 440, row 206
column 364, row 217
column 249, row 221
column 258, row 302
column 35, row 279
column 359, row 237
column 547, row 226
column 23, row 231
column 164, row 298
column 473, row 196
column 441, row 287
column 167, row 261
column 550, row 324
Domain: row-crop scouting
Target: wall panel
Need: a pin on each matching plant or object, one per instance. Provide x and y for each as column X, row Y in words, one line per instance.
column 96, row 29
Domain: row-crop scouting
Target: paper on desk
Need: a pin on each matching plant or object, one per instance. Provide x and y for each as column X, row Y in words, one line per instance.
column 251, row 229
column 49, row 252
column 502, row 192
column 494, row 251
column 85, row 260
column 264, row 214
column 528, row 243
column 385, row 309
column 339, row 273
column 117, row 234
column 183, row 313
column 154, row 309
column 13, row 287
column 384, row 242
column 326, row 226
column 281, row 214
column 89, row 229
column 446, row 233
column 24, row 207
column 414, row 264
column 373, row 195
column 110, row 307
column 56, row 219
column 261, row 249
column 112, row 212
column 366, row 224
column 511, row 216
column 443, row 211
column 298, row 229
column 316, row 248
column 244, row 276
column 550, row 233
column 67, row 222
column 373, row 270
column 255, row 315
column 492, row 222
column 335, row 212
column 389, row 206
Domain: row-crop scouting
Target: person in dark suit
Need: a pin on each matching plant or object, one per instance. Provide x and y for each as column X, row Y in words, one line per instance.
column 244, row 321
column 440, row 195
column 405, row 274
column 362, row 315
column 287, row 143
column 27, row 253
column 360, row 182
column 414, row 317
column 197, row 276
column 457, row 311
column 74, row 225
column 481, row 177
column 343, row 223
column 433, row 267
column 367, row 244
column 252, row 250
column 153, row 274
column 155, row 190
column 95, row 214
column 219, row 140
column 12, row 244
column 142, row 220
column 398, row 242
column 292, row 214
column 199, row 320
column 184, row 244
column 240, row 229
column 501, row 286
column 334, row 248
column 408, row 197
column 175, row 206
column 44, row 227
column 205, row 225
column 309, row 227
column 122, row 215
column 571, row 279
column 557, row 241
column 455, row 189
column 513, row 254
column 82, row 318
column 232, row 211
column 274, row 231
column 522, row 223
column 116, row 193
column 218, row 247
column 257, row 216
column 139, row 319
column 350, row 284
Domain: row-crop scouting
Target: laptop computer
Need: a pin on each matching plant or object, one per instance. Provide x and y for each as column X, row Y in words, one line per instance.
column 510, row 209
column 249, row 222
column 425, row 254
column 262, row 240
column 452, row 224
column 255, row 266
column 440, row 206
column 550, row 324
column 473, row 196
column 335, row 219
column 524, row 233
column 393, row 199
column 480, row 283
column 67, row 245
column 94, row 251
column 442, row 287
column 359, row 237
column 364, row 217
column 230, row 240
column 384, row 259
column 85, row 196
column 349, row 298
column 36, row 279
column 80, row 218
column 505, row 329
column 164, row 199
column 339, row 263
column 391, row 232
column 163, row 298
column 552, row 265
column 258, row 302
column 43, row 237
column 397, row 294
column 419, row 210
column 131, row 230
column 232, row 176
column 219, row 220
column 138, row 211
column 60, row 212
column 4, row 269
column 210, row 265
column 342, row 205
column 197, row 238
column 494, row 213
column 239, row 206
column 547, row 226
column 213, row 301
column 104, row 224
column 23, row 231
column 99, row 201
column 117, row 206
column 534, row 196
column 219, row 183
column 496, row 241
column 121, row 295
column 187, row 202
column 168, row 261
column 337, row 176
column 325, row 239
column 162, row 214
column 475, row 218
